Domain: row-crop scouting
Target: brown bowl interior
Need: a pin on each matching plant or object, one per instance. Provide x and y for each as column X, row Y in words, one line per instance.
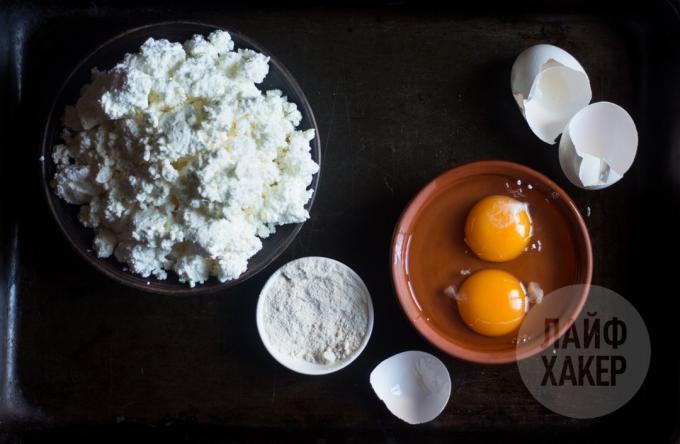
column 429, row 253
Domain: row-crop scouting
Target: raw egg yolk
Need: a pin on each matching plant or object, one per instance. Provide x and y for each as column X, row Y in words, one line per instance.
column 498, row 228
column 492, row 302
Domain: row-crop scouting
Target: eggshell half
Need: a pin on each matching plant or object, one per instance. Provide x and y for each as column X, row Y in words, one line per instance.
column 598, row 146
column 549, row 86
column 415, row 386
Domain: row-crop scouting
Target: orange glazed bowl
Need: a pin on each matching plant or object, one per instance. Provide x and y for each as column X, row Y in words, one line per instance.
column 429, row 254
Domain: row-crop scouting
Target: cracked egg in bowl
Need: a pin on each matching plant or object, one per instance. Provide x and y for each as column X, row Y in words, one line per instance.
column 478, row 248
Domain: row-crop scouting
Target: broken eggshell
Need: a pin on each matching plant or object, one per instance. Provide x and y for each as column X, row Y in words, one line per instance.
column 415, row 386
column 598, row 146
column 550, row 86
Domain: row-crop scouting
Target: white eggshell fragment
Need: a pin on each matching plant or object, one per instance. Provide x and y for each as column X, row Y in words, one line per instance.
column 415, row 386
column 550, row 86
column 598, row 146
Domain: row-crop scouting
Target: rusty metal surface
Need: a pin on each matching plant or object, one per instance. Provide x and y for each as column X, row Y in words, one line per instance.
column 401, row 93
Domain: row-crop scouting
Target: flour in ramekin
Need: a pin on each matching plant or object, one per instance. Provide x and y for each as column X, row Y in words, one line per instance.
column 315, row 309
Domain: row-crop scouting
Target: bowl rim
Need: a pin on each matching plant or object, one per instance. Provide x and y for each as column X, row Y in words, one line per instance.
column 410, row 308
column 309, row 368
column 127, row 278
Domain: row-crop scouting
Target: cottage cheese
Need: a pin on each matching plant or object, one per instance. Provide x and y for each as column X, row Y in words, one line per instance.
column 180, row 162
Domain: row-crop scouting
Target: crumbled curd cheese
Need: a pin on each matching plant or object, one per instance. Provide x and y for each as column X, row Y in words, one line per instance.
column 180, row 162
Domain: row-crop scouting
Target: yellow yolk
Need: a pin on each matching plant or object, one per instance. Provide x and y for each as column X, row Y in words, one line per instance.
column 498, row 228
column 492, row 302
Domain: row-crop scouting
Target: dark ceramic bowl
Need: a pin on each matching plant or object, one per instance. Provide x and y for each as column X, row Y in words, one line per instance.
column 105, row 57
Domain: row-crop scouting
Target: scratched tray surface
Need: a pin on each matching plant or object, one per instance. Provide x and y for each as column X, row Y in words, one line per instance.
column 400, row 95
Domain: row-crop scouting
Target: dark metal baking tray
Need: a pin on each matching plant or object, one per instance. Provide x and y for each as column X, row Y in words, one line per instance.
column 402, row 92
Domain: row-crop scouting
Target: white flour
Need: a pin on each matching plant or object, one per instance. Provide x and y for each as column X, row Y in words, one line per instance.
column 315, row 309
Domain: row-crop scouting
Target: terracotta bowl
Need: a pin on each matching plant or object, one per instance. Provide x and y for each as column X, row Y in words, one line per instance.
column 429, row 254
